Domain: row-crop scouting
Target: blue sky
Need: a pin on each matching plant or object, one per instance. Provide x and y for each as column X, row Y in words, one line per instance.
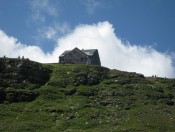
column 149, row 22
column 46, row 23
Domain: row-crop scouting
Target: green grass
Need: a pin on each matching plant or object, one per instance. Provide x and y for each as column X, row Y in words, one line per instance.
column 90, row 98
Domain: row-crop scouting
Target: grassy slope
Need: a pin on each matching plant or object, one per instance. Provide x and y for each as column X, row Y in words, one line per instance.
column 92, row 98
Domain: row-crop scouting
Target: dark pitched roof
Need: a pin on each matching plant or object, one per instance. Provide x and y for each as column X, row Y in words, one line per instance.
column 88, row 52
column 65, row 52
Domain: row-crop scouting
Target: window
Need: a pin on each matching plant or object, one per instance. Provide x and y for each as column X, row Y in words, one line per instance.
column 82, row 59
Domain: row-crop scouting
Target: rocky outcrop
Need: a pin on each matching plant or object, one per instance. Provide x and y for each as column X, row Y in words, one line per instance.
column 22, row 71
column 78, row 75
column 20, row 95
column 19, row 75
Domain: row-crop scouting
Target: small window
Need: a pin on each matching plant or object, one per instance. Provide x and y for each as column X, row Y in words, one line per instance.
column 82, row 59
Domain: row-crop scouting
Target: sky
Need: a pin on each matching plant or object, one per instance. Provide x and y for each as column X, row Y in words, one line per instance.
column 130, row 35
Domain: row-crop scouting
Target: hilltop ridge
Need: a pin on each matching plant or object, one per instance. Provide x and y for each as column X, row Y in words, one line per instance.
column 65, row 97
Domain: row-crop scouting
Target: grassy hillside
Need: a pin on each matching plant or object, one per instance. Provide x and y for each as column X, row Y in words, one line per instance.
column 57, row 97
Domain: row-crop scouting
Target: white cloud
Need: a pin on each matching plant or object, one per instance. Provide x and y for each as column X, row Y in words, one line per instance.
column 91, row 5
column 10, row 47
column 54, row 31
column 113, row 52
column 40, row 8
